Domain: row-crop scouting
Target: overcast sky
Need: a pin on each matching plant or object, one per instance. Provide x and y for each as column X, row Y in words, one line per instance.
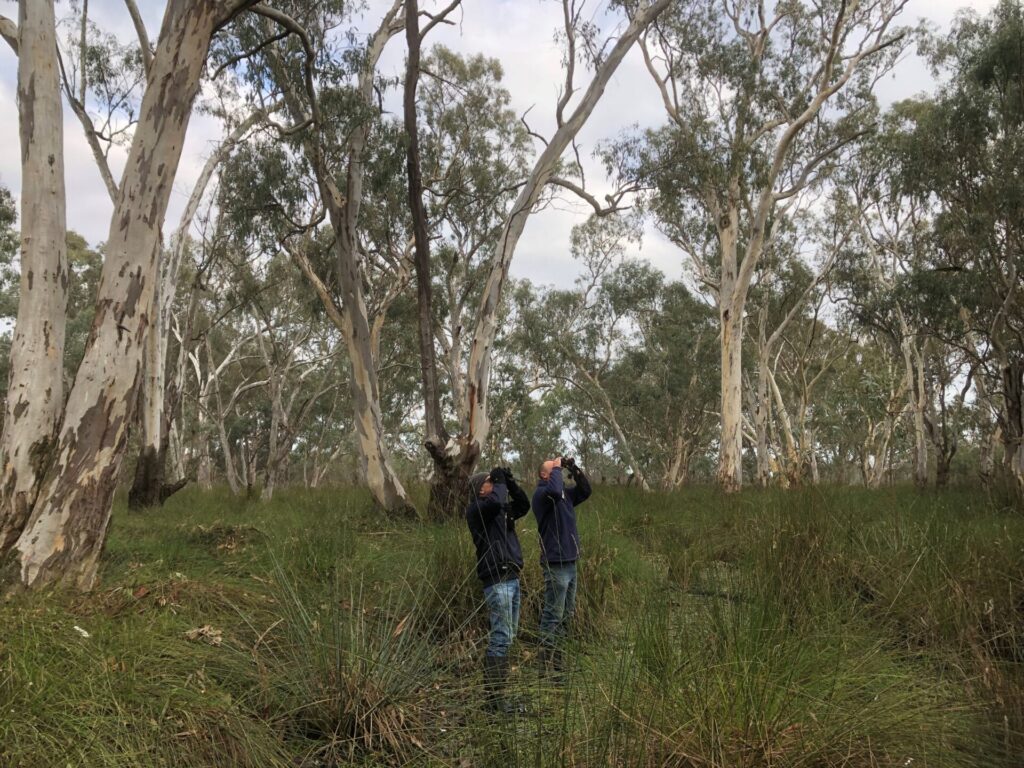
column 520, row 33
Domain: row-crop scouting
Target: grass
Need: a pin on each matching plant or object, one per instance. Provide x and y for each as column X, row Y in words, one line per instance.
column 811, row 628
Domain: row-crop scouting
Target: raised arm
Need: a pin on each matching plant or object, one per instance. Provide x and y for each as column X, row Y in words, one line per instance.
column 490, row 505
column 554, row 486
column 582, row 491
column 519, row 501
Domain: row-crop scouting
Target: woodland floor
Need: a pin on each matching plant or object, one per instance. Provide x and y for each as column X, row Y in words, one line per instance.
column 819, row 627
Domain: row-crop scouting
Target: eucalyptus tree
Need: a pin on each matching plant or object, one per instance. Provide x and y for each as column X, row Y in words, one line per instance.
column 474, row 153
column 862, row 416
column 35, row 390
column 964, row 151
column 761, row 106
column 801, row 377
column 9, row 277
column 577, row 336
column 103, row 79
column 8, row 252
column 665, row 386
column 613, row 344
column 461, row 453
column 299, row 363
column 329, row 97
column 65, row 530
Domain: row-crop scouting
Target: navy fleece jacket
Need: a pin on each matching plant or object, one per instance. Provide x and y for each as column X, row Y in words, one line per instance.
column 492, row 522
column 554, row 506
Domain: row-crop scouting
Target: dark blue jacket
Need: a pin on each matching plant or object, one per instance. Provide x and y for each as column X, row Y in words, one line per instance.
column 492, row 522
column 554, row 507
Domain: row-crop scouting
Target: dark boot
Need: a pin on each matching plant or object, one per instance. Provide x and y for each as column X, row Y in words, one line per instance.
column 495, row 680
column 552, row 663
column 496, row 700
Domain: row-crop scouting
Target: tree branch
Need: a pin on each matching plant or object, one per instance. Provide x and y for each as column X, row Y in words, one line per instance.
column 438, row 18
column 580, row 192
column 140, row 30
column 9, row 32
column 91, row 134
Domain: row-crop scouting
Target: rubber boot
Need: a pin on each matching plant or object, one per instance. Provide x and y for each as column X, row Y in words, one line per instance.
column 552, row 663
column 495, row 680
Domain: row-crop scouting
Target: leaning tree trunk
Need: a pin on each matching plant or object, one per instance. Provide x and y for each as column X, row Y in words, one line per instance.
column 35, row 391
column 67, row 529
column 476, row 424
column 352, row 318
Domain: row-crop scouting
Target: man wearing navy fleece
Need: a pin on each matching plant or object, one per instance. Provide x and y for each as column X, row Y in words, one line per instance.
column 554, row 506
column 496, row 502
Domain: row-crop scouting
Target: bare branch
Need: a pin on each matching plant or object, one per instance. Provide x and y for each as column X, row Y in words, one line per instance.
column 529, row 130
column 439, row 18
column 92, row 136
column 582, row 193
column 140, row 30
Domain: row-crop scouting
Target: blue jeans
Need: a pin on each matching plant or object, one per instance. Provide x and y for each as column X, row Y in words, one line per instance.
column 559, row 602
column 503, row 601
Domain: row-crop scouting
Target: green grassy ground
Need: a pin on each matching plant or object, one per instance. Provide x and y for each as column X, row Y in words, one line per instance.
column 811, row 628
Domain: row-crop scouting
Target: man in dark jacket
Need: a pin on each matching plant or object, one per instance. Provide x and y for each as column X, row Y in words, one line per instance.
column 554, row 506
column 496, row 502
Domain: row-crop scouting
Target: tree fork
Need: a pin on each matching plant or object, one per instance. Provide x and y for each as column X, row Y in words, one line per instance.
column 65, row 534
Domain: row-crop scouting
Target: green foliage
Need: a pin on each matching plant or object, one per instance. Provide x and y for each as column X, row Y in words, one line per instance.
column 823, row 627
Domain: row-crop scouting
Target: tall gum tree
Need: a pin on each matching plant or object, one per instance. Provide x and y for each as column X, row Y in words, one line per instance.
column 341, row 195
column 466, row 447
column 962, row 153
column 745, row 89
column 474, row 155
column 35, row 388
column 65, row 533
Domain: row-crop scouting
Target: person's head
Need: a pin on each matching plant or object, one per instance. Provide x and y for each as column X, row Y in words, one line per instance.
column 545, row 469
column 480, row 485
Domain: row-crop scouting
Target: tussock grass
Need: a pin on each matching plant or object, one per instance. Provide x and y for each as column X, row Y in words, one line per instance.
column 813, row 628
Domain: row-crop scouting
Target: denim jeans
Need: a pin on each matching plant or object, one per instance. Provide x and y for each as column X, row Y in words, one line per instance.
column 559, row 602
column 503, row 601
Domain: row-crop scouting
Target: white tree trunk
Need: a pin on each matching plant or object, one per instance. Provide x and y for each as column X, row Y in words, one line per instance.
column 477, row 424
column 731, row 299
column 65, row 534
column 916, row 399
column 35, row 386
column 352, row 318
column 794, row 459
column 762, row 412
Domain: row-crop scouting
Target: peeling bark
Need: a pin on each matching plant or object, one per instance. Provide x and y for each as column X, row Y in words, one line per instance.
column 67, row 529
column 352, row 317
column 35, row 386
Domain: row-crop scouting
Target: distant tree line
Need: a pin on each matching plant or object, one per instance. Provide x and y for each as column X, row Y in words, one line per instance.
column 335, row 304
